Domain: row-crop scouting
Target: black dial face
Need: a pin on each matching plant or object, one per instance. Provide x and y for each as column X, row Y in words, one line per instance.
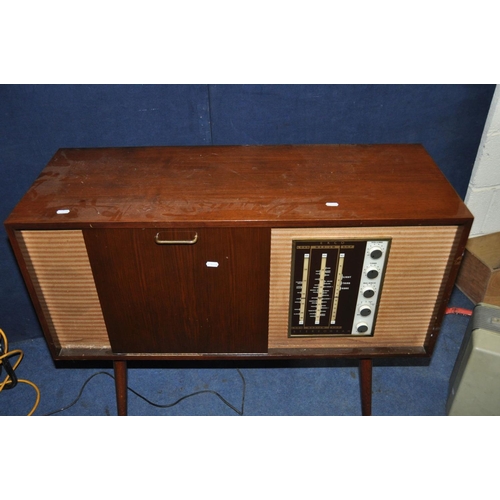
column 325, row 286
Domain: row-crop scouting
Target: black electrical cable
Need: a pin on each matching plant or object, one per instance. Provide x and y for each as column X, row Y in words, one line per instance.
column 170, row 405
column 5, row 363
column 11, row 374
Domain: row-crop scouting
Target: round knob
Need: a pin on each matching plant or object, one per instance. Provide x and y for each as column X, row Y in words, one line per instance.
column 365, row 311
column 361, row 327
column 376, row 253
column 372, row 273
column 368, row 293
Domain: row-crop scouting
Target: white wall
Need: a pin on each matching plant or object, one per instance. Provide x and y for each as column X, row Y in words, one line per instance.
column 483, row 194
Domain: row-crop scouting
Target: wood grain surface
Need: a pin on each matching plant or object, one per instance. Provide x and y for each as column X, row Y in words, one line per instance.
column 329, row 185
column 165, row 298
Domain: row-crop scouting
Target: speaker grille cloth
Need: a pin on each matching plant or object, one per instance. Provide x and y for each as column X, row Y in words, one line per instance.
column 59, row 268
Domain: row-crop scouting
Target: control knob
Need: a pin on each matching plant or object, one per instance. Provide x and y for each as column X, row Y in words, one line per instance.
column 365, row 310
column 361, row 327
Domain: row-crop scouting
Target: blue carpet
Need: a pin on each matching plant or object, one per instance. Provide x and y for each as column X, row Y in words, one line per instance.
column 414, row 387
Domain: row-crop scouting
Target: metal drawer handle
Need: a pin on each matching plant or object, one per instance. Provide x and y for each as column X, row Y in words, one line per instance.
column 176, row 242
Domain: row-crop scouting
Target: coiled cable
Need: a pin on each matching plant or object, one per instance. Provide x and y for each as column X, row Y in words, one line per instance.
column 10, row 381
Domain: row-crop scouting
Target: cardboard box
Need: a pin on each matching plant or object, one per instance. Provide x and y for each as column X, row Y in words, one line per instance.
column 479, row 275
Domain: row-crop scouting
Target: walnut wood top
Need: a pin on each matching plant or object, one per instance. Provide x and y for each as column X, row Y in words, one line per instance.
column 241, row 185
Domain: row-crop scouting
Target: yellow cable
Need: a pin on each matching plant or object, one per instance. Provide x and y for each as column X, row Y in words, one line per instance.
column 7, row 380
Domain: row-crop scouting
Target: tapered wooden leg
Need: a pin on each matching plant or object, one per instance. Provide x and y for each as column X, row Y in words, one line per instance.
column 120, row 368
column 365, row 380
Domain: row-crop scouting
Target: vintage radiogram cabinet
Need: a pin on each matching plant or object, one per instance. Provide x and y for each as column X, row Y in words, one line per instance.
column 240, row 252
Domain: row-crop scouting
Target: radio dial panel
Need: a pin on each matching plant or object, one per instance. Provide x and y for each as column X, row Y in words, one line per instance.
column 336, row 285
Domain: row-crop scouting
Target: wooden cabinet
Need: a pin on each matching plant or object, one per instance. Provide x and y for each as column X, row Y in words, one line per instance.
column 194, row 252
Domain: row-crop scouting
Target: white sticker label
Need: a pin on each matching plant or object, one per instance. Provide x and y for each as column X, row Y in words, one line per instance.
column 212, row 264
column 331, row 204
column 63, row 211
